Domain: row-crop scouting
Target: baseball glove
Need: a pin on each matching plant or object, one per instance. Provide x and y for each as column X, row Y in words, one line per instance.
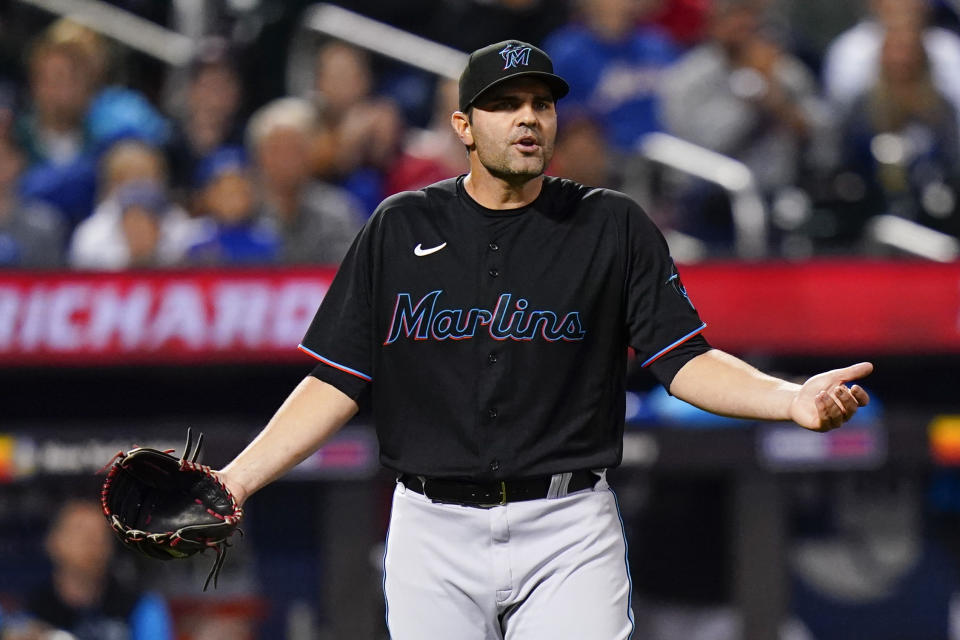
column 167, row 507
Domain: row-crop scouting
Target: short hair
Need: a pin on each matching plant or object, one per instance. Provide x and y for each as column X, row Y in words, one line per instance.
column 289, row 113
column 81, row 40
column 73, row 51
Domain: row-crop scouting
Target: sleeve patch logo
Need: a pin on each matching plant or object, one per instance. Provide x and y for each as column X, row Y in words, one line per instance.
column 425, row 319
column 675, row 284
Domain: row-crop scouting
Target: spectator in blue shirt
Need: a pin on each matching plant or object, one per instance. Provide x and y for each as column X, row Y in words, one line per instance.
column 613, row 66
column 74, row 115
column 235, row 231
column 61, row 168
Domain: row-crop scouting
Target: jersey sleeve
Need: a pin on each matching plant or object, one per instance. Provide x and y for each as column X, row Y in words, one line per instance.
column 663, row 325
column 339, row 335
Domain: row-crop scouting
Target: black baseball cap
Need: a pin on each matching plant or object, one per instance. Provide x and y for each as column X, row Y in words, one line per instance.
column 503, row 61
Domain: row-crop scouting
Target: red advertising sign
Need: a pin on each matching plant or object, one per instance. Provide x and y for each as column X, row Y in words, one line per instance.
column 125, row 318
column 844, row 307
column 829, row 307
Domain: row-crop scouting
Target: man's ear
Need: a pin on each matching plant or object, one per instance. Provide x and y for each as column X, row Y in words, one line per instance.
column 461, row 126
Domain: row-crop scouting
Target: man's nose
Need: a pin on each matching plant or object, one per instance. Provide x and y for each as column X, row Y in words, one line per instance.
column 527, row 115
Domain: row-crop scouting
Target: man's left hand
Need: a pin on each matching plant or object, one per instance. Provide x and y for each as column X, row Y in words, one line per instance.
column 825, row 402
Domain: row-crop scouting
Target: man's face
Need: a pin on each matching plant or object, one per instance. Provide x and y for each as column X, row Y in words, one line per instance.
column 342, row 77
column 734, row 27
column 79, row 541
column 215, row 92
column 60, row 87
column 283, row 156
column 514, row 126
column 230, row 197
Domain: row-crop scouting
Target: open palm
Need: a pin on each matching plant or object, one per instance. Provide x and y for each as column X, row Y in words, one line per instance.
column 825, row 402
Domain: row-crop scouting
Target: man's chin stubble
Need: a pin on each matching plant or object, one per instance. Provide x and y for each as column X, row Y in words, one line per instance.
column 512, row 174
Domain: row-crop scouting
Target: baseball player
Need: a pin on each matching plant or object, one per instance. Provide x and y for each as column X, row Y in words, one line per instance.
column 486, row 318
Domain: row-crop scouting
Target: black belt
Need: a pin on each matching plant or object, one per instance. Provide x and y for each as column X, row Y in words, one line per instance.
column 494, row 493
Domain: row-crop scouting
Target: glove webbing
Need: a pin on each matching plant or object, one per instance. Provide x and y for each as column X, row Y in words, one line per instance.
column 221, row 546
column 173, row 538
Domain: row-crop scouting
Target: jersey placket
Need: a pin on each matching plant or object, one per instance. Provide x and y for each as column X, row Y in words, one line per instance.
column 493, row 363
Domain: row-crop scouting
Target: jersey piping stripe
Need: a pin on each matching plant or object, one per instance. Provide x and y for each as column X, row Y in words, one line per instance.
column 335, row 365
column 383, row 582
column 674, row 345
column 626, row 562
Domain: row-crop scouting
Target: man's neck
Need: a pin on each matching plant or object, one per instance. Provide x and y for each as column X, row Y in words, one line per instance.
column 499, row 194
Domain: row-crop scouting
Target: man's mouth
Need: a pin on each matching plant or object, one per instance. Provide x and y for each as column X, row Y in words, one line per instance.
column 527, row 143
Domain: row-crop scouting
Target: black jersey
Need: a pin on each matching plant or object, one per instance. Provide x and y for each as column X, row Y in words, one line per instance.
column 494, row 343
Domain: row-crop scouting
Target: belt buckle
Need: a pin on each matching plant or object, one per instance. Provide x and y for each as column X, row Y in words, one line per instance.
column 503, row 497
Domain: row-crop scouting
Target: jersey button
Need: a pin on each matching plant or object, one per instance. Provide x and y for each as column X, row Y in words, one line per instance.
column 494, row 465
column 492, row 358
column 494, row 246
column 493, row 272
column 492, row 412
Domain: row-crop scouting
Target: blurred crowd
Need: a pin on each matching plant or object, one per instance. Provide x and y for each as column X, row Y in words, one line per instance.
column 841, row 111
column 82, row 598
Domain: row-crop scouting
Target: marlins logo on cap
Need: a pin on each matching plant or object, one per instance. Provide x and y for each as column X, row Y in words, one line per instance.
column 502, row 61
column 515, row 55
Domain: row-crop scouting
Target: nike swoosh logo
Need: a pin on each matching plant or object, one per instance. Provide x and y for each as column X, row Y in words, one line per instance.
column 420, row 251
